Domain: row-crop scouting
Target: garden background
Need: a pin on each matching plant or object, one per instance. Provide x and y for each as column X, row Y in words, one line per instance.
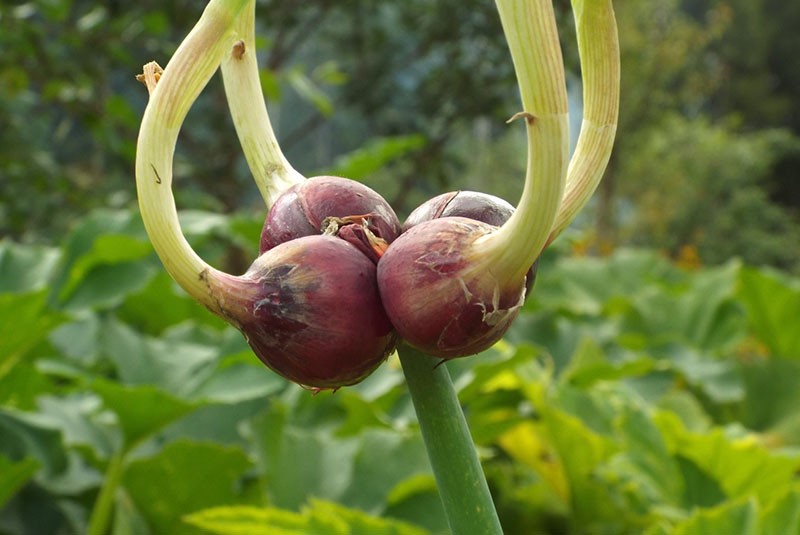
column 651, row 384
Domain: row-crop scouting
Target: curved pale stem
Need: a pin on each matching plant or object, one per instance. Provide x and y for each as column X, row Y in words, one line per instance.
column 185, row 76
column 598, row 45
column 532, row 35
column 271, row 171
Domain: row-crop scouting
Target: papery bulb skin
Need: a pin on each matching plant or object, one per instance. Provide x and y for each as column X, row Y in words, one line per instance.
column 305, row 209
column 473, row 205
column 440, row 294
column 311, row 311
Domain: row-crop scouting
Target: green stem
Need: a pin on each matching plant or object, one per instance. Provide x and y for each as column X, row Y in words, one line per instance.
column 104, row 506
column 271, row 171
column 184, row 77
column 462, row 485
column 598, row 46
column 532, row 35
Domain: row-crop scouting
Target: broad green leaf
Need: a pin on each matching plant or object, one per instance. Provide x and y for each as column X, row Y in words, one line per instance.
column 783, row 515
column 772, row 303
column 197, row 222
column 175, row 365
column 127, row 518
column 107, row 249
column 742, row 466
column 416, row 500
column 490, row 389
column 25, row 268
column 13, row 475
column 160, row 304
column 699, row 311
column 99, row 239
column 141, row 410
column 688, row 408
column 22, row 385
column 24, row 435
column 700, row 488
column 708, row 317
column 645, row 461
column 270, row 85
column 25, row 321
column 739, row 517
column 363, row 162
column 326, row 517
column 317, row 518
column 183, row 478
column 246, row 520
column 718, row 378
column 78, row 340
column 82, row 421
column 384, row 459
column 240, row 378
column 107, row 285
column 772, row 397
column 586, row 285
column 589, row 364
column 299, row 463
column 527, row 444
column 581, row 452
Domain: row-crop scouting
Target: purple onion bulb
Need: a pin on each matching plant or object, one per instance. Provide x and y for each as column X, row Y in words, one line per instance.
column 311, row 311
column 440, row 294
column 437, row 289
column 473, row 205
column 336, row 206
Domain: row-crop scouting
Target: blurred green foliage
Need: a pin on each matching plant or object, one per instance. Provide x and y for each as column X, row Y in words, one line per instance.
column 411, row 98
column 631, row 396
column 634, row 394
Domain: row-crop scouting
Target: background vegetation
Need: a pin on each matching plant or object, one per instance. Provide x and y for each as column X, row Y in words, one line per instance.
column 651, row 385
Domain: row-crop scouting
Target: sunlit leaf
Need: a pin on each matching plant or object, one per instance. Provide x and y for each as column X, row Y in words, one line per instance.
column 742, row 466
column 782, row 515
column 246, row 520
column 317, row 518
column 739, row 517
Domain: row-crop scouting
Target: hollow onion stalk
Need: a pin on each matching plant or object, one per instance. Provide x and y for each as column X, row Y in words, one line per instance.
column 270, row 169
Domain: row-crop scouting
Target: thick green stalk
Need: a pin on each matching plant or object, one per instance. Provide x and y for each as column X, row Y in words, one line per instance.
column 459, row 476
column 104, row 505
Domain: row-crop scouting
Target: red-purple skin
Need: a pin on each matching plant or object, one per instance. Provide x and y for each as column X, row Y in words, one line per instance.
column 473, row 205
column 302, row 209
column 439, row 301
column 311, row 311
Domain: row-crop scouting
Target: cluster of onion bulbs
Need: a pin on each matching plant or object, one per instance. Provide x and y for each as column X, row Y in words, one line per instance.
column 339, row 282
